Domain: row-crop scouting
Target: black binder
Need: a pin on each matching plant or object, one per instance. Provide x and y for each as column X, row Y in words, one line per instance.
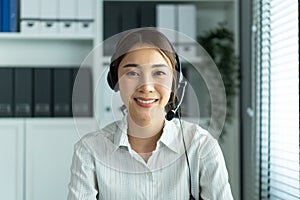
column 23, row 92
column 82, row 97
column 112, row 18
column 6, row 92
column 42, row 92
column 147, row 14
column 62, row 92
column 129, row 16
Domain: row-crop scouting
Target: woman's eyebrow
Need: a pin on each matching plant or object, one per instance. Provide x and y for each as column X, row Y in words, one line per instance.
column 136, row 65
column 159, row 65
column 130, row 65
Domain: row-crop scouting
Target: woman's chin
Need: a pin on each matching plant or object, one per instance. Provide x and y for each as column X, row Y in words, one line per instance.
column 144, row 117
column 141, row 119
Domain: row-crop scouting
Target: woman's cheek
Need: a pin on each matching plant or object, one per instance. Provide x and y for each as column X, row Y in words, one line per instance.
column 126, row 91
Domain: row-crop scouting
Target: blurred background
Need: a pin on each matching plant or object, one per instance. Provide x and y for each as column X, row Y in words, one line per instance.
column 45, row 51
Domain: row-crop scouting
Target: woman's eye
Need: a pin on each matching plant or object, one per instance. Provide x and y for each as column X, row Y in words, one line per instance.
column 132, row 73
column 159, row 73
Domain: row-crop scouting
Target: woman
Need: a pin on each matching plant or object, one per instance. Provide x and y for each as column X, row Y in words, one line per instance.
column 145, row 156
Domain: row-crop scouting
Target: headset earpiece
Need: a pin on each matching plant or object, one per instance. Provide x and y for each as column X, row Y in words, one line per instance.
column 112, row 77
column 179, row 76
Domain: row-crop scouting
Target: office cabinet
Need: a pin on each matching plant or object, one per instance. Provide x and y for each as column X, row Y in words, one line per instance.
column 49, row 149
column 11, row 159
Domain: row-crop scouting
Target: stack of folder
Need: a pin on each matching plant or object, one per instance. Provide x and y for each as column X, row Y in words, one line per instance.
column 182, row 19
column 71, row 17
column 43, row 92
column 57, row 17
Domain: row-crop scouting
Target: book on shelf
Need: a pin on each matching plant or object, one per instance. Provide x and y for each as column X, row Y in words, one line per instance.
column 23, row 92
column 65, row 17
column 45, row 92
column 6, row 92
column 9, row 15
column 62, row 92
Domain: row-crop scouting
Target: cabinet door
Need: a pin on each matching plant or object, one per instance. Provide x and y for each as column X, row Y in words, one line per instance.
column 49, row 150
column 11, row 159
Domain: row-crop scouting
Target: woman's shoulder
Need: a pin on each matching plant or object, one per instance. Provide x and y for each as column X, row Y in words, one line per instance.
column 191, row 127
column 102, row 136
column 201, row 137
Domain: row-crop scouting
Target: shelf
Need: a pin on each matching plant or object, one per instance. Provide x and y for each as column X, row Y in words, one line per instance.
column 48, row 119
column 22, row 36
column 43, row 50
column 182, row 1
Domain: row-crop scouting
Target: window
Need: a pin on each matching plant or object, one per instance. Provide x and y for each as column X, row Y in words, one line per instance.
column 275, row 52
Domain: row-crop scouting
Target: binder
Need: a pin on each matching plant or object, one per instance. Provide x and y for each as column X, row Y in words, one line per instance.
column 49, row 26
column 112, row 23
column 62, row 92
column 129, row 16
column 42, row 92
column 30, row 26
column 67, row 27
column 5, row 15
column 30, row 16
column 166, row 18
column 148, row 14
column 67, row 16
column 85, row 17
column 82, row 102
column 187, row 22
column 23, row 91
column 187, row 25
column 6, row 92
column 85, row 27
column 14, row 16
column 49, row 16
column 86, row 9
column 112, row 18
column 1, row 6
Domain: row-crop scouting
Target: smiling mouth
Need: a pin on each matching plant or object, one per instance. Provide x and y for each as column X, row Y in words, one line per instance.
column 143, row 101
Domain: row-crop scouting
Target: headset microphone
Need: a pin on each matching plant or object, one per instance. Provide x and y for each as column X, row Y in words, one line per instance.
column 181, row 90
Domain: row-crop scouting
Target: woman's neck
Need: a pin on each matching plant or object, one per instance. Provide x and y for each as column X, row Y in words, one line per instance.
column 143, row 139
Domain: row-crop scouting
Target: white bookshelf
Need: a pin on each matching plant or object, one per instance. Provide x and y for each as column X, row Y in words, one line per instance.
column 24, row 36
column 20, row 50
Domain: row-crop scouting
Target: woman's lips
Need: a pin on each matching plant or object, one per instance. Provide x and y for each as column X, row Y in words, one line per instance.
column 145, row 102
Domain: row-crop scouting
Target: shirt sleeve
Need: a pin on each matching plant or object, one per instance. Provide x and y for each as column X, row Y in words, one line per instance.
column 83, row 184
column 214, row 176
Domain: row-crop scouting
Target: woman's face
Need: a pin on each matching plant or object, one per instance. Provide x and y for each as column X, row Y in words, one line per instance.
column 145, row 81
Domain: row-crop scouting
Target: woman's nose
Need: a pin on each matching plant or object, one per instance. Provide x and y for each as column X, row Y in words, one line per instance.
column 146, row 84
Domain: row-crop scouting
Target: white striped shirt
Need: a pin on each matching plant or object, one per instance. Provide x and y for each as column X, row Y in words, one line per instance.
column 106, row 167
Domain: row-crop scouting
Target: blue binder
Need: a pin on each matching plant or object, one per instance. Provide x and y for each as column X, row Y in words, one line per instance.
column 5, row 15
column 14, row 4
column 1, row 15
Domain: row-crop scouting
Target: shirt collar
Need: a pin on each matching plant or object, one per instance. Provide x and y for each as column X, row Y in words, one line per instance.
column 170, row 137
column 120, row 137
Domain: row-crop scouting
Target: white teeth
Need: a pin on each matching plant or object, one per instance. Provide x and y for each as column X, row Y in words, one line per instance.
column 145, row 102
